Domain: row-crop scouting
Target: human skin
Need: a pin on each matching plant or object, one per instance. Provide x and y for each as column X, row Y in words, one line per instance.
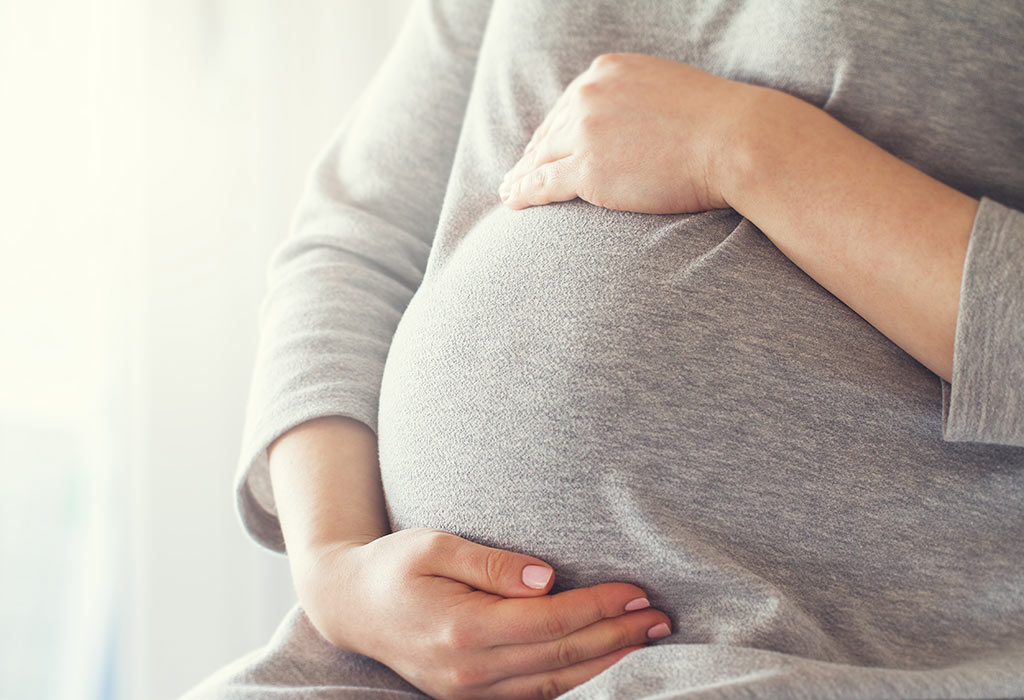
column 645, row 134
column 454, row 618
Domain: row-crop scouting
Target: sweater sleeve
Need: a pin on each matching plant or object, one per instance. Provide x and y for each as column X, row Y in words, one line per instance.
column 358, row 245
column 985, row 401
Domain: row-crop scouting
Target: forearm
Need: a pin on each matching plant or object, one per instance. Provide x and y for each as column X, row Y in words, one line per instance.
column 325, row 476
column 883, row 237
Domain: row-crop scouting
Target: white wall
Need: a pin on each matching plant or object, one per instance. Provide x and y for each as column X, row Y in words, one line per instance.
column 248, row 93
column 153, row 154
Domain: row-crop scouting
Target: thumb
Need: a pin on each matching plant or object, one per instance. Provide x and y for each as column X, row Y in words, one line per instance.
column 497, row 571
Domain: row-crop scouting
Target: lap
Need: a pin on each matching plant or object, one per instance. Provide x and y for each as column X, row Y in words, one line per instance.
column 298, row 663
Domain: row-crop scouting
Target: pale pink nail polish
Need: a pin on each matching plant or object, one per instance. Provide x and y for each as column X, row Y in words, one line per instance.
column 658, row 631
column 536, row 576
column 637, row 604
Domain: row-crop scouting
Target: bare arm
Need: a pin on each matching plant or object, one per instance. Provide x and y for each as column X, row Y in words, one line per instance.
column 326, row 480
column 884, row 237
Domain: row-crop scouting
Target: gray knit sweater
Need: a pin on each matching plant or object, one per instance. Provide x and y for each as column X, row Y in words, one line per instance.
column 667, row 399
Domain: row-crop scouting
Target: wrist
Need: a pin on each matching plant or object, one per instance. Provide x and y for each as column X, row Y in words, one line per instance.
column 328, row 581
column 759, row 142
column 333, row 563
column 307, row 558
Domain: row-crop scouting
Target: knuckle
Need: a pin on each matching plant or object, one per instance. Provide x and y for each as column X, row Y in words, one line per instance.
column 437, row 537
column 453, row 636
column 589, row 123
column 590, row 88
column 605, row 60
column 421, row 532
column 459, row 638
column 596, row 602
column 434, row 542
column 452, row 689
column 554, row 627
column 495, row 564
column 442, row 638
column 607, row 602
column 549, row 688
column 624, row 636
column 567, row 652
column 539, row 177
column 463, row 677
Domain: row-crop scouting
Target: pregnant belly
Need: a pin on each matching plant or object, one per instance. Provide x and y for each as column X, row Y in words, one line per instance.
column 531, row 368
column 639, row 398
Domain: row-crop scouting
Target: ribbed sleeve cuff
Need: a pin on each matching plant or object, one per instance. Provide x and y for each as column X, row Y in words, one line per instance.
column 985, row 400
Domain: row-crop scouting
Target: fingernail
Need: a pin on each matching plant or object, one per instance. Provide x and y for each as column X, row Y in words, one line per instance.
column 536, row 576
column 638, row 604
column 658, row 631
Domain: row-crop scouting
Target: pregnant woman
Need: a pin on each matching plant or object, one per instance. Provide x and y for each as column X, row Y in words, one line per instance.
column 637, row 349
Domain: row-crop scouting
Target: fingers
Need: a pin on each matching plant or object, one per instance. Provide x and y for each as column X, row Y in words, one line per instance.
column 498, row 571
column 551, row 684
column 557, row 112
column 552, row 182
column 551, row 142
column 555, row 146
column 542, row 130
column 528, row 621
column 596, row 640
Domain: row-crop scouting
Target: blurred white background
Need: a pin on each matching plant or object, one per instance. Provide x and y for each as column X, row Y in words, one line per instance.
column 151, row 155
